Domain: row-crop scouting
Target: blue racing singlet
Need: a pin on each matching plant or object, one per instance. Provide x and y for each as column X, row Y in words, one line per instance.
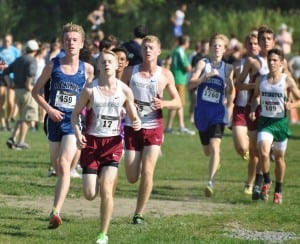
column 65, row 89
column 210, row 108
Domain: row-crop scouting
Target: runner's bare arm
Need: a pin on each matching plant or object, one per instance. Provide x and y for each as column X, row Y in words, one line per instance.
column 89, row 73
column 195, row 79
column 131, row 108
column 174, row 102
column 54, row 114
column 84, row 99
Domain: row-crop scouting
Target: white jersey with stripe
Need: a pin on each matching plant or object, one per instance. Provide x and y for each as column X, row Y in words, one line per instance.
column 273, row 98
column 242, row 96
column 104, row 118
column 144, row 90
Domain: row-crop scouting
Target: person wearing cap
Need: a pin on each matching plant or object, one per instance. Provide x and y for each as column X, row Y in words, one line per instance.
column 24, row 69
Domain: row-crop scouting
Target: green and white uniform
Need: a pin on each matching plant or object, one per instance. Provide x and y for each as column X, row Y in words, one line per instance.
column 273, row 119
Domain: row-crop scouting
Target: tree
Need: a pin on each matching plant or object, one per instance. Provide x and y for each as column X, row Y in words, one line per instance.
column 10, row 15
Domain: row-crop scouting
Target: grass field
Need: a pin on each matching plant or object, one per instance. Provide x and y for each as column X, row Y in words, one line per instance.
column 180, row 175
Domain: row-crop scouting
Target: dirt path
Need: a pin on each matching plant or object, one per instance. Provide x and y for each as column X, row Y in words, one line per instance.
column 123, row 207
column 155, row 208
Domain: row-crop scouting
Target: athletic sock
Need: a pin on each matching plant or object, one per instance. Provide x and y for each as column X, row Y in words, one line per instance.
column 278, row 187
column 258, row 179
column 267, row 179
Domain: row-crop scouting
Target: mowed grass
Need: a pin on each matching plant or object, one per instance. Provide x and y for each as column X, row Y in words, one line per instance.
column 181, row 174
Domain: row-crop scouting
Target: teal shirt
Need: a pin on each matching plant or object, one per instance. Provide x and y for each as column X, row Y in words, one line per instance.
column 179, row 62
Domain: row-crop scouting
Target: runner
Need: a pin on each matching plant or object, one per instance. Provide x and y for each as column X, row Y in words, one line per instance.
column 271, row 93
column 102, row 144
column 148, row 82
column 213, row 77
column 68, row 77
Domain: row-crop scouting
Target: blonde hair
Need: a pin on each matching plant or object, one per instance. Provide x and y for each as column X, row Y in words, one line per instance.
column 70, row 27
column 111, row 53
column 220, row 37
column 151, row 38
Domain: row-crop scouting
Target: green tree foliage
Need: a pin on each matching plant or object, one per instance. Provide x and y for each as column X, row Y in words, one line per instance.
column 10, row 16
column 43, row 19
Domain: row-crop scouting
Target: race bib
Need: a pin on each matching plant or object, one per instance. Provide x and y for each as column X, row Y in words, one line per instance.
column 107, row 124
column 65, row 99
column 143, row 108
column 211, row 95
column 272, row 107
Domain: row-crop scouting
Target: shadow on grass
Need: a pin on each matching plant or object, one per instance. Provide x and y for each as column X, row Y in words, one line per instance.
column 294, row 137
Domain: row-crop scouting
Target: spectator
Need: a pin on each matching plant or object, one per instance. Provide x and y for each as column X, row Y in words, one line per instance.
column 178, row 19
column 285, row 39
column 96, row 18
column 8, row 53
column 133, row 46
column 24, row 69
column 180, row 67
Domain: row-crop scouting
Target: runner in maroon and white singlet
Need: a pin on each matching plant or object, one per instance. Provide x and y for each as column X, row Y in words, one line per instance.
column 148, row 82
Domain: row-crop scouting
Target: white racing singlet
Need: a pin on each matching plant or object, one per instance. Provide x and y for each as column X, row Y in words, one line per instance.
column 144, row 90
column 104, row 118
column 264, row 69
column 242, row 96
column 273, row 98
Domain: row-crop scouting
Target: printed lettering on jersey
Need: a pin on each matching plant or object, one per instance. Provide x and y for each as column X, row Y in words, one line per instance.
column 146, row 86
column 65, row 99
column 143, row 108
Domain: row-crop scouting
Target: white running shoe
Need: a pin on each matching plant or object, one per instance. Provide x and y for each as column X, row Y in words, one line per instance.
column 186, row 131
column 75, row 174
column 102, row 239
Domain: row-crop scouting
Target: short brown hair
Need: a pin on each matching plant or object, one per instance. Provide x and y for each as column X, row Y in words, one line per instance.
column 264, row 29
column 276, row 51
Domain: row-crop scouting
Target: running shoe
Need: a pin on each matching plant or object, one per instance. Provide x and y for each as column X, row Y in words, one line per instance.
column 246, row 156
column 265, row 192
column 168, row 131
column 55, row 220
column 186, row 131
column 102, row 239
column 277, row 198
column 75, row 174
column 209, row 189
column 3, row 129
column 256, row 193
column 138, row 219
column 22, row 146
column 51, row 172
column 11, row 143
column 248, row 189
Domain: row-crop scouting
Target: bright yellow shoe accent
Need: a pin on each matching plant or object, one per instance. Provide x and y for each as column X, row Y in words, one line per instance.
column 248, row 189
column 209, row 191
column 246, row 156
